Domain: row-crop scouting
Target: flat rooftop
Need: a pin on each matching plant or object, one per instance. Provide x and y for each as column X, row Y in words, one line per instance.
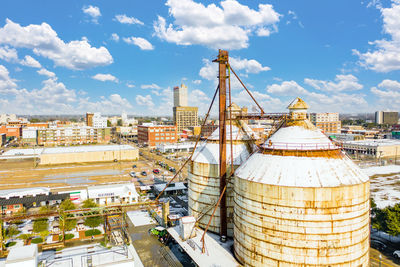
column 215, row 254
column 99, row 256
column 374, row 142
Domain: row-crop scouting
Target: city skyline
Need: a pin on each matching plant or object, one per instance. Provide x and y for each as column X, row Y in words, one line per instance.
column 69, row 58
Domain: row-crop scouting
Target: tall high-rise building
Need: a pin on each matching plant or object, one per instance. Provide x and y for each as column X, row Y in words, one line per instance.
column 89, row 119
column 386, row 117
column 180, row 96
column 185, row 117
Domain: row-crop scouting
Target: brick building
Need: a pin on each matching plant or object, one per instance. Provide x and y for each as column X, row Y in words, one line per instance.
column 14, row 131
column 157, row 134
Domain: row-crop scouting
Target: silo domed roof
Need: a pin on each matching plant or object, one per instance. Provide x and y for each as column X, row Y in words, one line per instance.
column 208, row 151
column 298, row 154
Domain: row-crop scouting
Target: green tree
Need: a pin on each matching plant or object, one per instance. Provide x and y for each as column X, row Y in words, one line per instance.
column 67, row 204
column 393, row 220
column 44, row 234
column 119, row 122
column 40, row 225
column 11, row 231
column 89, row 203
column 91, row 221
column 109, row 123
column 25, row 237
column 70, row 224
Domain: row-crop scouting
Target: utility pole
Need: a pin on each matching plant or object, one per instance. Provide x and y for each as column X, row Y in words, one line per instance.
column 222, row 61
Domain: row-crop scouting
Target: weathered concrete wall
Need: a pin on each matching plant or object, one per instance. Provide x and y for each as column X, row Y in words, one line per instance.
column 292, row 226
column 97, row 156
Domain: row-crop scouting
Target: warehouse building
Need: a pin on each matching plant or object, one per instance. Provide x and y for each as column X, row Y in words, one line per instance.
column 76, row 154
column 377, row 148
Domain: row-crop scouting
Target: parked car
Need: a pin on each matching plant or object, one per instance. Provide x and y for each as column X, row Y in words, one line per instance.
column 143, row 173
column 396, row 254
column 156, row 171
column 379, row 245
column 171, row 169
column 132, row 174
column 133, row 166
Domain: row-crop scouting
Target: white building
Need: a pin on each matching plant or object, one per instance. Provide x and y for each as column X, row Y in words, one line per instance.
column 115, row 193
column 99, row 121
column 180, row 96
column 166, row 148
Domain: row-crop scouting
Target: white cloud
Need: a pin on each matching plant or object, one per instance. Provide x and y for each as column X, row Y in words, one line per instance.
column 227, row 27
column 385, row 56
column 209, row 71
column 342, row 83
column 62, row 100
column 388, row 94
column 46, row 73
column 144, row 100
column 150, row 86
column 8, row 54
column 130, row 85
column 93, row 12
column 390, row 85
column 286, row 88
column 268, row 103
column 248, row 65
column 105, row 77
column 124, row 19
column 43, row 40
column 196, row 81
column 142, row 43
column 115, row 37
column 111, row 104
column 6, row 83
column 30, row 62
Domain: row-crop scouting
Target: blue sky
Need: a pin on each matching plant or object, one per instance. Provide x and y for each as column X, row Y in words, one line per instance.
column 69, row 57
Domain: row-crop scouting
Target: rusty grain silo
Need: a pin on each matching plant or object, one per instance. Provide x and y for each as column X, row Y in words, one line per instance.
column 203, row 181
column 300, row 201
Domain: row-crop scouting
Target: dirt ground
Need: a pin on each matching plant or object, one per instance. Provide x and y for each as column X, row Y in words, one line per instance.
column 24, row 174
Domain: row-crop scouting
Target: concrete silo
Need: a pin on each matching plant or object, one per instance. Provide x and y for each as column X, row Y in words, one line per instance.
column 300, row 201
column 204, row 179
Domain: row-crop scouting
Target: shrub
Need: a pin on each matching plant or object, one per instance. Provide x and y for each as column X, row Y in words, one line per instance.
column 10, row 244
column 67, row 236
column 37, row 240
column 92, row 232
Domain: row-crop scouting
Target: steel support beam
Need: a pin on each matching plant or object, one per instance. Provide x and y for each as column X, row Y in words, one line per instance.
column 222, row 60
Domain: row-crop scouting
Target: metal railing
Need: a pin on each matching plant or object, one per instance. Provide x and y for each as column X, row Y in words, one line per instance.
column 299, row 146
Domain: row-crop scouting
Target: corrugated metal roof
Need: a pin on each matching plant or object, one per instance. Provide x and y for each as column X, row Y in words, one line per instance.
column 209, row 153
column 299, row 138
column 301, row 171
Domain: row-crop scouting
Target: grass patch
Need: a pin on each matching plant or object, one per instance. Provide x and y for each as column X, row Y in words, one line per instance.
column 92, row 232
column 67, row 236
column 10, row 244
column 37, row 240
